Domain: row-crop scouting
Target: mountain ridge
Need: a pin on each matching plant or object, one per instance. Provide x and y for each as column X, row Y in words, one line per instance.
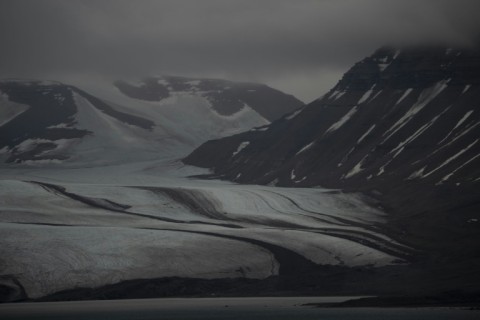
column 49, row 122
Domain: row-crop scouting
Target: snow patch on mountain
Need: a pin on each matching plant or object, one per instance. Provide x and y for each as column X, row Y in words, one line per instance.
column 241, row 146
column 366, row 133
column 404, row 95
column 425, row 98
column 306, row 147
column 342, row 120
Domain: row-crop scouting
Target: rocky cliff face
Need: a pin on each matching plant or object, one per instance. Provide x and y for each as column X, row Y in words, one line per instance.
column 401, row 125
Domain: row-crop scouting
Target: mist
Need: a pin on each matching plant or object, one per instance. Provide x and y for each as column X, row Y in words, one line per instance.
column 300, row 47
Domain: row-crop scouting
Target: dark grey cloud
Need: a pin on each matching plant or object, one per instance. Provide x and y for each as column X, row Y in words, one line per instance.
column 299, row 46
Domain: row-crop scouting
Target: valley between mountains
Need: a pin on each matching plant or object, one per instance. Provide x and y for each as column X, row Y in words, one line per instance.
column 109, row 189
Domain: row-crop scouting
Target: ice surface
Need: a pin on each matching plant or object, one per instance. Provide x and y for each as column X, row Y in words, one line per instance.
column 62, row 257
column 94, row 226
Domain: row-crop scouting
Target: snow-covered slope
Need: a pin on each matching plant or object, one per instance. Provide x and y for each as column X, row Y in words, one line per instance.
column 96, row 123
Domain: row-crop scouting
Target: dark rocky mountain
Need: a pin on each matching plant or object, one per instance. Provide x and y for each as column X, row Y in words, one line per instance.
column 226, row 97
column 48, row 122
column 402, row 126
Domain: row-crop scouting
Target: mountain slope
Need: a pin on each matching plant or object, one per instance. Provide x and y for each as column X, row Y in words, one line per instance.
column 401, row 125
column 226, row 97
column 96, row 123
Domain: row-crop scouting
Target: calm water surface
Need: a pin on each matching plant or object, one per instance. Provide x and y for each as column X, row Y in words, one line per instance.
column 220, row 308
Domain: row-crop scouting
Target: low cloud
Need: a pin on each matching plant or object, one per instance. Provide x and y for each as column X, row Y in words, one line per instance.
column 301, row 47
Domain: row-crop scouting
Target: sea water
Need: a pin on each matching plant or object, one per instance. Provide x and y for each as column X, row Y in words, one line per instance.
column 221, row 308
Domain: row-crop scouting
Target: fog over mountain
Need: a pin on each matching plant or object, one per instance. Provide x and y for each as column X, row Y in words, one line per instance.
column 300, row 47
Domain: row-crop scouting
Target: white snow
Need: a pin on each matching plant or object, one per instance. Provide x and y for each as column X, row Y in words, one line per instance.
column 346, row 156
column 459, row 123
column 376, row 95
column 60, row 126
column 340, row 94
column 264, row 128
column 366, row 133
column 302, row 179
column 404, row 95
column 383, row 66
column 452, row 158
column 382, row 168
column 294, row 114
column 30, row 144
column 466, row 88
column 342, row 120
column 333, row 95
column 417, row 174
column 64, row 257
column 425, row 98
column 366, row 95
column 398, row 149
column 465, row 117
column 356, row 169
column 241, row 146
column 458, row 168
column 173, row 135
column 457, row 136
column 308, row 146
column 92, row 246
column 336, row 95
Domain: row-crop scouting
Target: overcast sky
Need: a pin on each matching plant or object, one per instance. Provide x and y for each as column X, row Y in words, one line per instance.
column 299, row 46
